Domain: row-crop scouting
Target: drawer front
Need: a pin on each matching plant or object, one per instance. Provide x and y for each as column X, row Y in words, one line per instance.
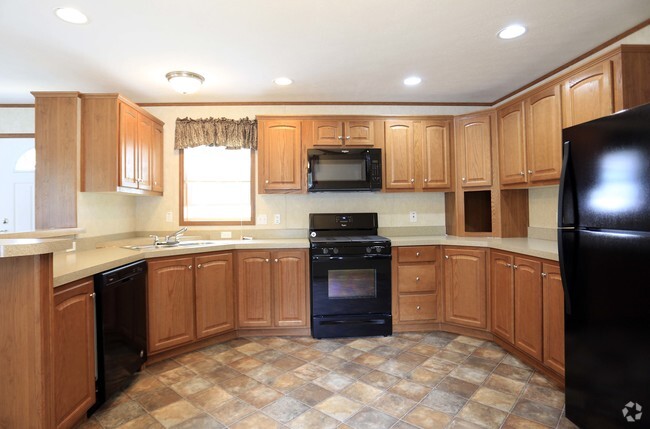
column 418, row 254
column 417, row 307
column 416, row 278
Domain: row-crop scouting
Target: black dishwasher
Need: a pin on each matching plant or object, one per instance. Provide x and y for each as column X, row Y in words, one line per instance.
column 120, row 316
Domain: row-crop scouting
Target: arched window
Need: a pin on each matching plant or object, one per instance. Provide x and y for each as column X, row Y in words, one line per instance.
column 26, row 162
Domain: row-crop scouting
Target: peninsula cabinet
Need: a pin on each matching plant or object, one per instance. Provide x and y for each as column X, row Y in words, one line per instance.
column 418, row 155
column 416, row 279
column 280, row 156
column 189, row 298
column 121, row 146
column 465, row 286
column 553, row 305
column 474, row 146
column 73, row 351
column 272, row 288
column 336, row 133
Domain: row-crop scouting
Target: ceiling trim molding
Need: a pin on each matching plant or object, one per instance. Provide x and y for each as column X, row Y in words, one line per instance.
column 17, row 135
column 316, row 103
column 574, row 61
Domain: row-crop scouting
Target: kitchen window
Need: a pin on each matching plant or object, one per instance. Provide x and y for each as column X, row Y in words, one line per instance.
column 217, row 186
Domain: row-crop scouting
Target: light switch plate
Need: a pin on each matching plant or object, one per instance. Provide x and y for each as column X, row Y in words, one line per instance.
column 413, row 217
column 169, row 217
column 276, row 219
column 226, row 234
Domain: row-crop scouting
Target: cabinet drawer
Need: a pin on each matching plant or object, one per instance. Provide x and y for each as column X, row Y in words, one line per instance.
column 417, row 307
column 416, row 278
column 417, row 254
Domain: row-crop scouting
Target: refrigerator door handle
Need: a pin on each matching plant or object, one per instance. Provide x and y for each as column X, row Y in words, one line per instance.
column 565, row 257
column 566, row 200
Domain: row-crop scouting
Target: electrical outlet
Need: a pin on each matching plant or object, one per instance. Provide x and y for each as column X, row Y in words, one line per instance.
column 276, row 219
column 262, row 219
column 169, row 217
column 413, row 217
column 226, row 234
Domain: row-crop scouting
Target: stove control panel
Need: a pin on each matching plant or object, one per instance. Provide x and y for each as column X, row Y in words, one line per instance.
column 350, row 251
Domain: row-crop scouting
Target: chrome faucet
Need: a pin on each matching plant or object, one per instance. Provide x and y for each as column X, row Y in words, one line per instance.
column 169, row 239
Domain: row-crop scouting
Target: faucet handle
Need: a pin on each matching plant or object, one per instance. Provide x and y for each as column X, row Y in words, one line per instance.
column 156, row 239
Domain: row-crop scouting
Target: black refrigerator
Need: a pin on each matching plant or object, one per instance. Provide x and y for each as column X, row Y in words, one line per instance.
column 604, row 250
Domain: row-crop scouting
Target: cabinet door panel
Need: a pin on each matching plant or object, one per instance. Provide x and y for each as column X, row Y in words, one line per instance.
column 436, row 172
column 553, row 293
column 512, row 144
column 328, row 133
column 475, row 157
column 254, row 289
column 544, row 135
column 214, row 295
column 157, row 160
column 73, row 351
column 465, row 287
column 414, row 308
column 400, row 166
column 502, row 296
column 145, row 136
column 588, row 95
column 128, row 146
column 280, row 152
column 290, row 288
column 528, row 306
column 170, row 302
column 359, row 133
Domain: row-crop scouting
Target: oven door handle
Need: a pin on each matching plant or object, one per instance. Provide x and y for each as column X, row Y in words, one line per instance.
column 350, row 258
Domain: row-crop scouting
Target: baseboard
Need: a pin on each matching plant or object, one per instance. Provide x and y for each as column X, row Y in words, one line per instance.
column 557, row 379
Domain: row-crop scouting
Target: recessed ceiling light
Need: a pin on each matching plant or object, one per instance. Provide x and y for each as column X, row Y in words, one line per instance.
column 412, row 80
column 511, row 31
column 185, row 82
column 282, row 81
column 71, row 15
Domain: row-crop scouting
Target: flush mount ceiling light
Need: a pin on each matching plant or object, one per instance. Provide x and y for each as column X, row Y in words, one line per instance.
column 185, row 82
column 71, row 15
column 282, row 81
column 412, row 80
column 511, row 31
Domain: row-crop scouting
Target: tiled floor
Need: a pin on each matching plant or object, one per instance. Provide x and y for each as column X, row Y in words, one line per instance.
column 431, row 380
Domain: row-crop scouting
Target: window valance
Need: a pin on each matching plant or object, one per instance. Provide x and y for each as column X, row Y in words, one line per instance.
column 231, row 133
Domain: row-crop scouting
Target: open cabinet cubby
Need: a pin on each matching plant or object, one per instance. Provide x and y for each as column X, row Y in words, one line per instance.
column 478, row 211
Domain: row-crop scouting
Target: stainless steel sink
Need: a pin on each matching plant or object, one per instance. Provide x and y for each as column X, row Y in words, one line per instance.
column 188, row 243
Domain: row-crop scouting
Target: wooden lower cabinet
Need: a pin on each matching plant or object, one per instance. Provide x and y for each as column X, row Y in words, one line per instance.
column 416, row 277
column 502, row 296
column 272, row 288
column 528, row 306
column 465, row 286
column 73, row 351
column 189, row 298
column 553, row 308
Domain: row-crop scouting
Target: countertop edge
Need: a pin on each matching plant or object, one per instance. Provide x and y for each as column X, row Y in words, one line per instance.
column 10, row 248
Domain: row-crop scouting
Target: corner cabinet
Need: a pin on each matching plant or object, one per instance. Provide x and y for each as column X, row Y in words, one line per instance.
column 272, row 289
column 73, row 351
column 465, row 286
column 121, row 146
column 280, row 156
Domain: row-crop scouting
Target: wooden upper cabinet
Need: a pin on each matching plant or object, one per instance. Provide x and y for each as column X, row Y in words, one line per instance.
column 544, row 135
column 254, row 289
column 157, row 167
column 73, row 351
column 215, row 311
column 121, row 146
column 290, row 288
column 400, row 155
column 528, row 306
column 474, row 143
column 436, row 158
column 170, row 302
column 465, row 287
column 512, row 144
column 343, row 133
column 502, row 290
column 588, row 94
column 553, row 304
column 280, row 154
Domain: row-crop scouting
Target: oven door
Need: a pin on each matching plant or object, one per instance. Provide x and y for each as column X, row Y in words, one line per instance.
column 350, row 284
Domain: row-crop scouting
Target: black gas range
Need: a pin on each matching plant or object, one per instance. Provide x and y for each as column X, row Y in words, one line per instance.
column 350, row 276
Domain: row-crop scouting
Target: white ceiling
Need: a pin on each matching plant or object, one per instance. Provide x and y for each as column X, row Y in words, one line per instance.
column 334, row 50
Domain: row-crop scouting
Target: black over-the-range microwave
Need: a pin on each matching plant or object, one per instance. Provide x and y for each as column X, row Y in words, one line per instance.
column 343, row 169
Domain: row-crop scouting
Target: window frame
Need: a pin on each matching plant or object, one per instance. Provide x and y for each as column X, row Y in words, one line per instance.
column 181, row 199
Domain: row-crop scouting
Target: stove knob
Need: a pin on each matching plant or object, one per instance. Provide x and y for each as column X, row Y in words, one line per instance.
column 325, row 251
column 336, row 251
column 378, row 249
column 368, row 249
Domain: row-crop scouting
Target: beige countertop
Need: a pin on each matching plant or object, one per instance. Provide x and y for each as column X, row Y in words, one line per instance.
column 71, row 266
column 11, row 247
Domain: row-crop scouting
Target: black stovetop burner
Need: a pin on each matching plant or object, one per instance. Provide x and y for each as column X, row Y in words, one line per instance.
column 344, row 229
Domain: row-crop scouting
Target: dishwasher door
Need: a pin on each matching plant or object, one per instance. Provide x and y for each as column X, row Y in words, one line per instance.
column 121, row 327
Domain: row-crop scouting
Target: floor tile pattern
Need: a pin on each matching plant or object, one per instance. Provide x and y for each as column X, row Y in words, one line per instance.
column 411, row 380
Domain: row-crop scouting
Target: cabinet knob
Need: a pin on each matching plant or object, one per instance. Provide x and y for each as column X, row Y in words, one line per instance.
column 417, row 253
column 92, row 295
column 417, row 279
column 189, row 267
column 198, row 266
column 417, row 308
column 426, row 180
column 508, row 265
column 412, row 180
column 266, row 260
column 463, row 179
column 515, row 266
column 521, row 173
column 544, row 274
column 340, row 137
column 446, row 256
column 347, row 137
column 266, row 181
column 530, row 171
column 276, row 260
